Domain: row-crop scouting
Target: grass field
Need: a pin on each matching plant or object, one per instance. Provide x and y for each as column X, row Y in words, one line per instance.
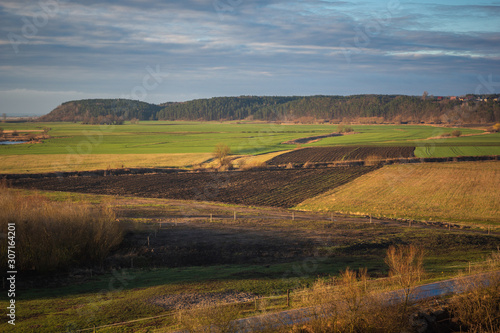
column 260, row 256
column 76, row 146
column 458, row 192
column 447, row 151
column 86, row 162
column 265, row 251
column 391, row 135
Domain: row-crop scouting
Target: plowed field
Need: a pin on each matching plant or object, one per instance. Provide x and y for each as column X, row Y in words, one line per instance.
column 334, row 154
column 278, row 188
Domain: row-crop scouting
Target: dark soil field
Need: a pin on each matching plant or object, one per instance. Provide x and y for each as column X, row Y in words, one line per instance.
column 278, row 188
column 335, row 154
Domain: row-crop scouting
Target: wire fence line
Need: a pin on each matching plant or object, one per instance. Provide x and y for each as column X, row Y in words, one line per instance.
column 385, row 285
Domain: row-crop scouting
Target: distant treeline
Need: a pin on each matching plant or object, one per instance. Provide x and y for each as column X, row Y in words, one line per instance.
column 357, row 108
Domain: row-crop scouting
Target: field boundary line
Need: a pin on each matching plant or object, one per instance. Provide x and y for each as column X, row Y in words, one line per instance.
column 270, row 167
column 124, row 322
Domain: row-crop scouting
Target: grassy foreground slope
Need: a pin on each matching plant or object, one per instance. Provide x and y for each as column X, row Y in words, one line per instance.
column 458, row 192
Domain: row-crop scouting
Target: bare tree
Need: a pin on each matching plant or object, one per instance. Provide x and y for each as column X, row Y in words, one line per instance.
column 424, row 95
column 221, row 152
column 406, row 267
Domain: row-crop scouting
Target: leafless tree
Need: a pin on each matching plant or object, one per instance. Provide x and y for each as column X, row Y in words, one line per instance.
column 406, row 267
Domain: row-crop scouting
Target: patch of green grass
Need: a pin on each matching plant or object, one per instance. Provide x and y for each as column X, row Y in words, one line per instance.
column 448, row 151
column 168, row 144
column 389, row 135
column 126, row 294
column 161, row 137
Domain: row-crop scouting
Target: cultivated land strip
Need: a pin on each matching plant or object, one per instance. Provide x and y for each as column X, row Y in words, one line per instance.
column 341, row 153
column 278, row 188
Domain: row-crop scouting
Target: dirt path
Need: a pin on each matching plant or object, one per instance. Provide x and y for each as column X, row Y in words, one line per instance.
column 304, row 315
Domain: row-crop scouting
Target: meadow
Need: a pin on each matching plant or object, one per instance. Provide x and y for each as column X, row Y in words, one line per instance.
column 464, row 192
column 259, row 255
column 179, row 144
column 230, row 240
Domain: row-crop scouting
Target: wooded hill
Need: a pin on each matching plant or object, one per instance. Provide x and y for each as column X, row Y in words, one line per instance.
column 363, row 108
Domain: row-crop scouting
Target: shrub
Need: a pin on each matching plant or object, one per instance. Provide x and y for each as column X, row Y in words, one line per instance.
column 308, row 165
column 344, row 128
column 57, row 235
column 350, row 304
column 221, row 154
column 373, row 160
column 253, row 166
column 456, row 133
column 323, row 300
column 478, row 308
column 495, row 128
column 406, row 267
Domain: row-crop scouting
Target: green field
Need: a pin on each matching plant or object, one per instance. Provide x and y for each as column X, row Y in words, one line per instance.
column 153, row 143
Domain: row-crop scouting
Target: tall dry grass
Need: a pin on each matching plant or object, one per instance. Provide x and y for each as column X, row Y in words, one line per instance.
column 208, row 317
column 349, row 304
column 56, row 235
column 477, row 309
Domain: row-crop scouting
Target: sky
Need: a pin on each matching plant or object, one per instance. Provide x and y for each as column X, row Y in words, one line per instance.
column 53, row 51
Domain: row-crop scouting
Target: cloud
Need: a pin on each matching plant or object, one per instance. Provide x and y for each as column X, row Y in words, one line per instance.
column 223, row 47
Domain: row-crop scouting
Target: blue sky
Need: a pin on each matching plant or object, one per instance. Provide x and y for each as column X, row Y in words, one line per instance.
column 52, row 51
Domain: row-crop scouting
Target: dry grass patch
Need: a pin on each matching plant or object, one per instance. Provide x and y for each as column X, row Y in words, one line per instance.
column 209, row 317
column 466, row 191
column 86, row 162
column 250, row 161
column 54, row 235
column 478, row 309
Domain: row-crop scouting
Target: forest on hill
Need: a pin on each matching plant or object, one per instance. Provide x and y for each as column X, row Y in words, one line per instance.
column 303, row 109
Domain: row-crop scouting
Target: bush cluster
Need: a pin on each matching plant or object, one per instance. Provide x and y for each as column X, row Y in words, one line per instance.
column 57, row 235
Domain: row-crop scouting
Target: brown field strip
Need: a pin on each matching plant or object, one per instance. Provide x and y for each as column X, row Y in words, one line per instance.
column 278, row 188
column 335, row 154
